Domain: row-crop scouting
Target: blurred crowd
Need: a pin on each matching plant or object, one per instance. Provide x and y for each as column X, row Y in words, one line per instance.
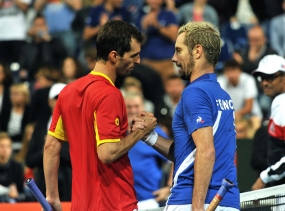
column 46, row 44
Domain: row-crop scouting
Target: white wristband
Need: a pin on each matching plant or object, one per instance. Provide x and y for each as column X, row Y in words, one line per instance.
column 152, row 138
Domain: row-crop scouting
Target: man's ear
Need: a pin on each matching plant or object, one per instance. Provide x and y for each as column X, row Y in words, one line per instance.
column 198, row 51
column 113, row 56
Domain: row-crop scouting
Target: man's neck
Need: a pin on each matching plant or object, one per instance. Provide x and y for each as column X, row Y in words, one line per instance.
column 106, row 69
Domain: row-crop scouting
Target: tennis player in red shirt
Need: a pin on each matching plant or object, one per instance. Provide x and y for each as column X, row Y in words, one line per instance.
column 91, row 115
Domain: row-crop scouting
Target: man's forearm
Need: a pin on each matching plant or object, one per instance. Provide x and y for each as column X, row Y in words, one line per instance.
column 203, row 169
column 51, row 165
column 165, row 147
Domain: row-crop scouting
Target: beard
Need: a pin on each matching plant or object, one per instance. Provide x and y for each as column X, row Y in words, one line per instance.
column 186, row 74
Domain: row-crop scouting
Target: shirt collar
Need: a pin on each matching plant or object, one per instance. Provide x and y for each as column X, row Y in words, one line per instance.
column 103, row 75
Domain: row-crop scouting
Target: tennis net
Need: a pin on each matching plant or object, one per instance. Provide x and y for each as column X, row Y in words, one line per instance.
column 268, row 199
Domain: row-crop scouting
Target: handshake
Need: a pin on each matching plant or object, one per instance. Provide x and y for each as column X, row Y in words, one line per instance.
column 146, row 123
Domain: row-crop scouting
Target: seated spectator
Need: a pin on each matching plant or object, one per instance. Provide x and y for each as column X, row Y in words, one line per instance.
column 243, row 91
column 59, row 16
column 71, row 70
column 44, row 50
column 15, row 119
column 197, row 11
column 258, row 48
column 13, row 26
column 277, row 32
column 34, row 157
column 160, row 27
column 132, row 84
column 174, row 87
column 145, row 160
column 11, row 173
column 99, row 15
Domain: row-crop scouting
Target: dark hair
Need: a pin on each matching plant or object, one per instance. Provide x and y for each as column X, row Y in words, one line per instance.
column 232, row 63
column 8, row 78
column 116, row 35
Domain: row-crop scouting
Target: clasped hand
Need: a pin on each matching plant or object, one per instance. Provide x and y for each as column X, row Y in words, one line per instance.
column 144, row 121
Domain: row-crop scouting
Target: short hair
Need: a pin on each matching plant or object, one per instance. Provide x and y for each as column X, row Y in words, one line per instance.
column 4, row 135
column 116, row 35
column 24, row 89
column 232, row 63
column 204, row 34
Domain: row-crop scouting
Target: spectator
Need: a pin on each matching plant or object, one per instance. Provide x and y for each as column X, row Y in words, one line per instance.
column 173, row 88
column 78, row 25
column 243, row 91
column 277, row 32
column 15, row 119
column 12, row 175
column 59, row 16
column 99, row 15
column 43, row 50
column 198, row 10
column 160, row 27
column 250, row 57
column 71, row 70
column 258, row 48
column 34, row 157
column 145, row 160
column 132, row 84
column 13, row 28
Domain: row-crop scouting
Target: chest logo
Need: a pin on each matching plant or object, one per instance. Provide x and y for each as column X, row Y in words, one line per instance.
column 117, row 121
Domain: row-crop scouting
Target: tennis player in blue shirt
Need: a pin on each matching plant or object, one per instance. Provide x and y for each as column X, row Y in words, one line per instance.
column 203, row 125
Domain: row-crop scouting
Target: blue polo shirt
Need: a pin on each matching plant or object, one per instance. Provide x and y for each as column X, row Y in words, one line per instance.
column 157, row 46
column 204, row 103
column 96, row 12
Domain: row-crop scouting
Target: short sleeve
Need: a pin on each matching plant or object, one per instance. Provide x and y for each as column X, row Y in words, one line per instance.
column 93, row 19
column 56, row 128
column 110, row 119
column 197, row 109
column 171, row 18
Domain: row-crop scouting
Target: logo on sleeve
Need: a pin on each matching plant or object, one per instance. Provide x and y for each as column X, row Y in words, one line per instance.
column 117, row 121
column 199, row 120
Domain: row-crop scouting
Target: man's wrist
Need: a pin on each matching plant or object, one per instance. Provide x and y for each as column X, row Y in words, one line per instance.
column 152, row 138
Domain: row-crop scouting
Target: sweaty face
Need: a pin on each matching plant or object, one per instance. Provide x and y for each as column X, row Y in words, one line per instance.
column 183, row 59
column 127, row 62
